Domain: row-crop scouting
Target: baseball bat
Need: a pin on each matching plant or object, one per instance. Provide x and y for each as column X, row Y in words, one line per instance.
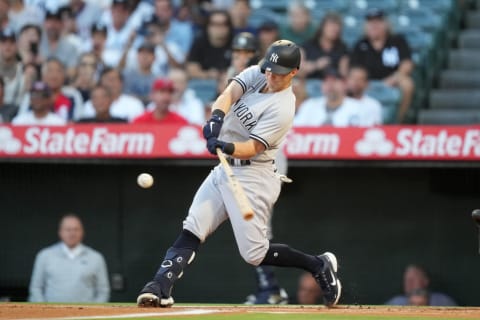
column 476, row 218
column 237, row 190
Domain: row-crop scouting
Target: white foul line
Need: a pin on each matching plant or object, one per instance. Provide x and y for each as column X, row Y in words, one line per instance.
column 138, row 315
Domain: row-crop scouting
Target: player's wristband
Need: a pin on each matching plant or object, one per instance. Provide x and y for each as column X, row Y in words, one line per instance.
column 219, row 113
column 228, row 148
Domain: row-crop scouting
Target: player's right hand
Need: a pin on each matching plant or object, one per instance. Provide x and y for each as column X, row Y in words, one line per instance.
column 214, row 124
column 213, row 143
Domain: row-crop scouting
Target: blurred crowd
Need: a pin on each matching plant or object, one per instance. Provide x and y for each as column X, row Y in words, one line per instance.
column 164, row 61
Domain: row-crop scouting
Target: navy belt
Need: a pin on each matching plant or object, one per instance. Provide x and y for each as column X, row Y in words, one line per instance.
column 241, row 163
column 238, row 162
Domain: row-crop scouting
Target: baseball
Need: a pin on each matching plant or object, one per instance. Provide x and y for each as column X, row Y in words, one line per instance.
column 145, row 180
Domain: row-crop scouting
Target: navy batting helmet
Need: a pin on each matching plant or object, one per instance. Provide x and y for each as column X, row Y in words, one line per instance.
column 281, row 57
column 244, row 41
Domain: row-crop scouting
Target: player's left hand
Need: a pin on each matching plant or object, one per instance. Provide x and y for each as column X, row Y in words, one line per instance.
column 214, row 124
column 213, row 143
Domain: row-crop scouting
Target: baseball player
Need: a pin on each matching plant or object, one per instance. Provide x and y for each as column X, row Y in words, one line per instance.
column 250, row 120
column 244, row 54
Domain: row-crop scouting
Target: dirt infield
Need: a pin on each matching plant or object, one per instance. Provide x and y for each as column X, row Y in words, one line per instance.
column 51, row 311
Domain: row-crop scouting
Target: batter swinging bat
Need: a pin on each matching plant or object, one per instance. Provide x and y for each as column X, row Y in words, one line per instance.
column 237, row 189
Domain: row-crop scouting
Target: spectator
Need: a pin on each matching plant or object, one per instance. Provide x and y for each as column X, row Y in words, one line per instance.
column 53, row 44
column 31, row 74
column 334, row 108
column 167, row 53
column 268, row 32
column 138, row 81
column 370, row 108
column 184, row 100
column 21, row 14
column 28, row 44
column 308, row 290
column 418, row 297
column 240, row 12
column 244, row 53
column 161, row 96
column 102, row 101
column 194, row 12
column 177, row 32
column 124, row 105
column 69, row 30
column 326, row 49
column 119, row 31
column 4, row 20
column 299, row 27
column 67, row 101
column 211, row 53
column 11, row 69
column 87, row 14
column 415, row 278
column 86, row 74
column 69, row 271
column 97, row 44
column 137, row 12
column 7, row 111
column 41, row 105
column 387, row 57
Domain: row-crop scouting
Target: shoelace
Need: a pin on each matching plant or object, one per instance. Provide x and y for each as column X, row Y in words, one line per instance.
column 324, row 283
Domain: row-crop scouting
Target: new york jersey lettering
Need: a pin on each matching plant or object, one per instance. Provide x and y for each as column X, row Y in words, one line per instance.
column 244, row 115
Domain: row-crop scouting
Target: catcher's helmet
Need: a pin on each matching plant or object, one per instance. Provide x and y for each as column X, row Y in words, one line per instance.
column 244, row 41
column 281, row 57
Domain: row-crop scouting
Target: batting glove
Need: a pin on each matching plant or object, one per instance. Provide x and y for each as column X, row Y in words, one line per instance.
column 213, row 126
column 213, row 143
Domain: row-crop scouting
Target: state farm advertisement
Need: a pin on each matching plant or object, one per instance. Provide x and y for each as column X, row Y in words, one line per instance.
column 139, row 141
column 387, row 142
column 102, row 141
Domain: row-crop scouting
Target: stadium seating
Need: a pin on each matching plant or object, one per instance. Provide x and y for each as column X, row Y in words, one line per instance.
column 205, row 90
column 314, row 88
column 360, row 6
column 388, row 96
column 276, row 5
column 264, row 14
column 340, row 6
column 448, row 116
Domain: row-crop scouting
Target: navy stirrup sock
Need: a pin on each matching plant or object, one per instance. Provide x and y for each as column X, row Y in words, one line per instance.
column 282, row 255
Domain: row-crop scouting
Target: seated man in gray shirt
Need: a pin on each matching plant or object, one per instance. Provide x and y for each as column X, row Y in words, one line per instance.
column 416, row 290
column 69, row 271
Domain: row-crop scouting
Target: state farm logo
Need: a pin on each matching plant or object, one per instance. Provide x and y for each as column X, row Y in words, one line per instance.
column 298, row 143
column 8, row 143
column 49, row 141
column 421, row 142
column 374, row 142
column 188, row 140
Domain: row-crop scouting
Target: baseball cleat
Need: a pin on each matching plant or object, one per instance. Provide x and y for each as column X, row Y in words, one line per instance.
column 151, row 297
column 149, row 300
column 327, row 279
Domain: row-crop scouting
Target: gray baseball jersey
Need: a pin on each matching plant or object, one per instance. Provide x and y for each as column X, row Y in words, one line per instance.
column 265, row 117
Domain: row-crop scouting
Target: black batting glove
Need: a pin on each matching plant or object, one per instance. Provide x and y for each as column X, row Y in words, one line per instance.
column 214, row 124
column 213, row 143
